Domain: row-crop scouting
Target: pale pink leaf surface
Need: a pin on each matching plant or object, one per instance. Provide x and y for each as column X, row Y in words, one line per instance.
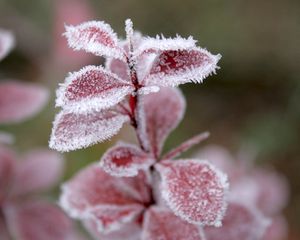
column 95, row 37
column 74, row 131
column 36, row 220
column 161, row 44
column 278, row 229
column 163, row 112
column 125, row 160
column 7, row 169
column 171, row 68
column 186, row 145
column 162, row 224
column 240, row 222
column 128, row 231
column 7, row 42
column 195, row 190
column 20, row 101
column 273, row 191
column 38, row 170
column 92, row 88
column 118, row 67
column 94, row 195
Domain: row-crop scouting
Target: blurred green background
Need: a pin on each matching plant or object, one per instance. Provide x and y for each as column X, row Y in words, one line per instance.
column 253, row 101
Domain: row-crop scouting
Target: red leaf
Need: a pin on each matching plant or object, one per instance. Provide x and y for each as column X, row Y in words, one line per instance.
column 38, row 170
column 125, row 160
column 95, row 195
column 194, row 190
column 240, row 222
column 92, row 88
column 171, row 68
column 37, row 220
column 118, row 67
column 278, row 229
column 7, row 42
column 162, row 224
column 19, row 101
column 74, row 131
column 95, row 37
column 163, row 111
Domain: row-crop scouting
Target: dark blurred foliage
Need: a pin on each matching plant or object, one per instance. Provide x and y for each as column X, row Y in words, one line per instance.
column 252, row 103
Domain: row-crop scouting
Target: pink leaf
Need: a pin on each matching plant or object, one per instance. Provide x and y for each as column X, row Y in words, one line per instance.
column 125, row 160
column 118, row 67
column 95, row 195
column 171, row 68
column 240, row 222
column 163, row 111
column 95, row 37
column 7, row 168
column 7, row 42
column 273, row 191
column 38, row 170
column 20, row 101
column 194, row 190
column 92, row 88
column 162, row 224
column 3, row 230
column 37, row 220
column 129, row 231
column 186, row 145
column 161, row 44
column 74, row 131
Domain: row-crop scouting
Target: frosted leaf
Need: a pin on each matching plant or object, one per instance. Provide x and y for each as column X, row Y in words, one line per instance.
column 240, row 222
column 7, row 42
column 194, row 190
column 161, row 44
column 105, row 200
column 20, row 101
column 277, row 230
column 92, row 88
column 118, row 67
column 37, row 220
column 186, row 145
column 129, row 30
column 95, row 37
column 148, row 90
column 7, row 168
column 162, row 224
column 38, row 170
column 125, row 160
column 74, row 131
column 171, row 68
column 273, row 191
column 128, row 231
column 163, row 111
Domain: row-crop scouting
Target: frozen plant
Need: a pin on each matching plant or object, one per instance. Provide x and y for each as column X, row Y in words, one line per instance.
column 135, row 192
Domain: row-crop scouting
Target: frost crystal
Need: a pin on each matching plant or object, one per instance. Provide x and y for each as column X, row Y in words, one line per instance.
column 194, row 190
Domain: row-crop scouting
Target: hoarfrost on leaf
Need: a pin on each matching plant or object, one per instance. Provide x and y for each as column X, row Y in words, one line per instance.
column 195, row 190
column 74, row 131
column 95, row 37
column 125, row 160
column 92, row 89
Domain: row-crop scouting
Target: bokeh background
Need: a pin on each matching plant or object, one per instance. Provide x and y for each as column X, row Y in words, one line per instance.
column 252, row 103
